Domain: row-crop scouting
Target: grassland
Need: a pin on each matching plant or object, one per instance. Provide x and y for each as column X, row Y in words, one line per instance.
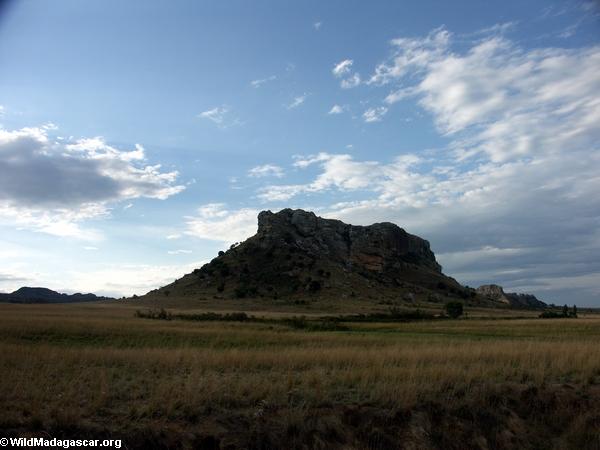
column 96, row 370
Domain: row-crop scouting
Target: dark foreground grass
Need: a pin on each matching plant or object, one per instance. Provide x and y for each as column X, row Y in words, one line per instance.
column 98, row 371
column 314, row 323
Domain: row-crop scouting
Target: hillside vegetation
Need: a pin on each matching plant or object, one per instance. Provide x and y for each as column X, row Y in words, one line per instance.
column 296, row 255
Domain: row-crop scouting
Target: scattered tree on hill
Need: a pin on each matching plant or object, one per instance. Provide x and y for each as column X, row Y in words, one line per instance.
column 565, row 311
column 454, row 309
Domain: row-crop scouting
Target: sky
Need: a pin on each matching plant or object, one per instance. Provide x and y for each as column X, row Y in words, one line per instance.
column 139, row 138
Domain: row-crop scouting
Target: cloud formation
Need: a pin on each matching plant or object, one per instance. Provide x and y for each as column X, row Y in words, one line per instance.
column 374, row 114
column 343, row 70
column 297, row 101
column 258, row 83
column 214, row 221
column 122, row 279
column 336, row 109
column 221, row 115
column 512, row 198
column 266, row 170
column 51, row 185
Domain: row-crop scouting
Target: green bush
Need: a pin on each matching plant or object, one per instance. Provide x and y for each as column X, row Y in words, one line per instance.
column 454, row 309
column 564, row 313
column 159, row 314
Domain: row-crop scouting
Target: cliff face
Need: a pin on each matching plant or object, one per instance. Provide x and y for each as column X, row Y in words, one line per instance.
column 496, row 293
column 381, row 247
column 297, row 255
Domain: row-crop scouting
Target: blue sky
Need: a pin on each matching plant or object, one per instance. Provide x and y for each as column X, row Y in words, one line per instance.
column 139, row 138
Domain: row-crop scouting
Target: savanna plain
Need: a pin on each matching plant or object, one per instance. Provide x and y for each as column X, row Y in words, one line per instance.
column 505, row 380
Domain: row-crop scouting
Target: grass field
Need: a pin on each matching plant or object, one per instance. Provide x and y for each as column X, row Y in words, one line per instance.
column 96, row 370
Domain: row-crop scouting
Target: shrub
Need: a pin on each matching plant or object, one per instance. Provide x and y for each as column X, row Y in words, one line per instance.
column 454, row 309
column 240, row 292
column 159, row 314
column 564, row 313
column 550, row 315
column 314, row 286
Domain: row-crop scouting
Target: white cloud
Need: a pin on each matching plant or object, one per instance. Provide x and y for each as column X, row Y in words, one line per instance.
column 221, row 116
column 457, row 261
column 503, row 97
column 113, row 280
column 342, row 68
column 411, row 54
column 52, row 186
column 305, row 161
column 173, row 236
column 216, row 115
column 374, row 114
column 61, row 222
column 350, row 82
column 215, row 222
column 179, row 252
column 398, row 95
column 258, row 83
column 513, row 197
column 89, row 248
column 267, row 170
column 341, row 172
column 336, row 109
column 317, row 25
column 297, row 101
column 122, row 279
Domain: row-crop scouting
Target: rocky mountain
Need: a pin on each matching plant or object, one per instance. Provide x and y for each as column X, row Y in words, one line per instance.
column 496, row 293
column 43, row 295
column 297, row 255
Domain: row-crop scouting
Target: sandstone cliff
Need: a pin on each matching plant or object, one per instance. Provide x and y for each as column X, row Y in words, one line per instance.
column 496, row 293
column 298, row 256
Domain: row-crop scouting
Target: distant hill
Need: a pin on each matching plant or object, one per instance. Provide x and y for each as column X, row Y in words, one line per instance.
column 496, row 293
column 296, row 255
column 43, row 295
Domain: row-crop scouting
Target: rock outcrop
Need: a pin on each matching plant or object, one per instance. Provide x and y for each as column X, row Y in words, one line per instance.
column 496, row 293
column 297, row 255
column 381, row 247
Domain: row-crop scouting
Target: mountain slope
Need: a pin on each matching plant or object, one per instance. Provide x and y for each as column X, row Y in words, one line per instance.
column 44, row 295
column 298, row 256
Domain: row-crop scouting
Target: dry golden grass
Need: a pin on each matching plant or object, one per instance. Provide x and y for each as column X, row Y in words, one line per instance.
column 98, row 365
